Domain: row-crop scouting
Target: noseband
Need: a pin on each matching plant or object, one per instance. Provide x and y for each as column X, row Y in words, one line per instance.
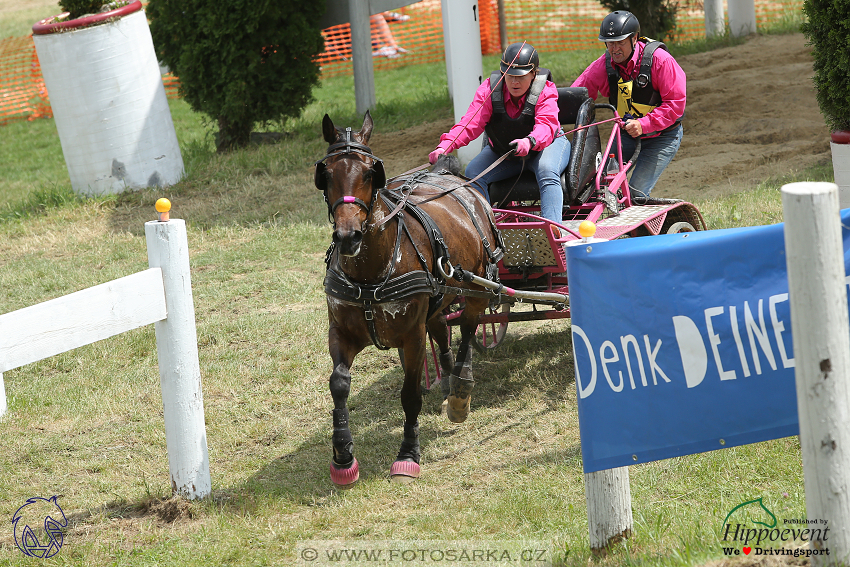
column 347, row 147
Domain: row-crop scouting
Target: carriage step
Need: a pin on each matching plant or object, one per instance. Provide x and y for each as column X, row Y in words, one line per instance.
column 532, row 248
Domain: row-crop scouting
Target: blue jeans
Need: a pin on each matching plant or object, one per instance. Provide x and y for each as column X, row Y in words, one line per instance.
column 546, row 165
column 654, row 157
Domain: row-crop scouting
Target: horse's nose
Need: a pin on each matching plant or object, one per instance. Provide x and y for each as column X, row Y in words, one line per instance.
column 348, row 241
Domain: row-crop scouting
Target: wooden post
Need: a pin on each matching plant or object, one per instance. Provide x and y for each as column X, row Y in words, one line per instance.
column 820, row 329
column 609, row 507
column 503, row 27
column 179, row 369
column 361, row 54
column 742, row 17
column 714, row 22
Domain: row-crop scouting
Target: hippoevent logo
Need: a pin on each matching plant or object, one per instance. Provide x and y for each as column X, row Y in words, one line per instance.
column 750, row 528
column 38, row 527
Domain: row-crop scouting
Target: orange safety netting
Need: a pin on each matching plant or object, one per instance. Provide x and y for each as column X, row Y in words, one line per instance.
column 411, row 36
column 22, row 92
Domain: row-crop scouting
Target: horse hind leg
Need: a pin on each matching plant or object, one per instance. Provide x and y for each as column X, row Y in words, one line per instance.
column 460, row 392
column 439, row 331
column 344, row 467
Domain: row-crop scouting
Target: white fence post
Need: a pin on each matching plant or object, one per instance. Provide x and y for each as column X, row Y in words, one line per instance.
column 714, row 21
column 361, row 55
column 609, row 507
column 3, row 404
column 821, row 334
column 742, row 17
column 179, row 369
column 462, row 36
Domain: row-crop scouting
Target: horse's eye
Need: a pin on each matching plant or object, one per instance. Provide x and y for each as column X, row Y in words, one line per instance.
column 367, row 175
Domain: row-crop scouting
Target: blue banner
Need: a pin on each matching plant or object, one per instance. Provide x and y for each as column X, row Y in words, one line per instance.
column 682, row 343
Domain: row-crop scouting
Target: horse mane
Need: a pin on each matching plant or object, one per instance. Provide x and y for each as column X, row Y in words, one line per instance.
column 447, row 164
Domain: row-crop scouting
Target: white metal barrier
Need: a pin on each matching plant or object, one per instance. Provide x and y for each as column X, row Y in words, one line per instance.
column 161, row 295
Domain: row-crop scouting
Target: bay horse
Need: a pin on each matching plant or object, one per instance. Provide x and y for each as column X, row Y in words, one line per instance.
column 394, row 247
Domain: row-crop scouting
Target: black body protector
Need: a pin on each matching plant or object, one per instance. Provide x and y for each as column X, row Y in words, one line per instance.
column 501, row 130
column 636, row 96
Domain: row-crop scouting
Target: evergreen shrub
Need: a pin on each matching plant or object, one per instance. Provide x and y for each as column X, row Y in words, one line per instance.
column 78, row 8
column 657, row 17
column 828, row 32
column 240, row 62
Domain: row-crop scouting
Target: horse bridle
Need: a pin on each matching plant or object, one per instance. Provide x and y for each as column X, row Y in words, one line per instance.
column 348, row 146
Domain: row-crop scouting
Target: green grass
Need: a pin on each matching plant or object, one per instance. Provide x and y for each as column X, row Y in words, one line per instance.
column 88, row 423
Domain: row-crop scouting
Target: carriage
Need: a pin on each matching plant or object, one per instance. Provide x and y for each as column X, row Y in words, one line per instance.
column 595, row 189
column 425, row 251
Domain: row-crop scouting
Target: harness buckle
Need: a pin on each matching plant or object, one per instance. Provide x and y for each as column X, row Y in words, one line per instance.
column 642, row 80
column 367, row 313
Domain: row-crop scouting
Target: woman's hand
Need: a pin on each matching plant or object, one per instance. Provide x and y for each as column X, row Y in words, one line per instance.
column 522, row 145
column 432, row 157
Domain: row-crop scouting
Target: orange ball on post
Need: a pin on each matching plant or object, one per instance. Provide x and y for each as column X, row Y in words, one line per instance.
column 163, row 206
column 587, row 229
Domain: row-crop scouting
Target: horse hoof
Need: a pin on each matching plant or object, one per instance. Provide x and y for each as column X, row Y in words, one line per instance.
column 444, row 407
column 404, row 472
column 345, row 478
column 457, row 409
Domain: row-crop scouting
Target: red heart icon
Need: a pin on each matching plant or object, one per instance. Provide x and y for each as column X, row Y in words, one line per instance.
column 747, row 550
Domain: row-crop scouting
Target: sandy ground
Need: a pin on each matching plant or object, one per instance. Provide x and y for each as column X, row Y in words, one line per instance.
column 751, row 114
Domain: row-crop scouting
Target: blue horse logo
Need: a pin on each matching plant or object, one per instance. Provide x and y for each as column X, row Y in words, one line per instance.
column 39, row 511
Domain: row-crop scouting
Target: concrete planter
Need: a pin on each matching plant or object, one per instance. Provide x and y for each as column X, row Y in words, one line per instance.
column 841, row 166
column 111, row 111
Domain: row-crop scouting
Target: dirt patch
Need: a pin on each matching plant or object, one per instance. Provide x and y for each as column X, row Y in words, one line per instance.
column 751, row 114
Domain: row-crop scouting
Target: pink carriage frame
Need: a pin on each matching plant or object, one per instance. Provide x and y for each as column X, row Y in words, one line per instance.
column 650, row 221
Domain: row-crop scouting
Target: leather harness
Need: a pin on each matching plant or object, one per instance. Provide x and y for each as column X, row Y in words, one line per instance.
column 340, row 286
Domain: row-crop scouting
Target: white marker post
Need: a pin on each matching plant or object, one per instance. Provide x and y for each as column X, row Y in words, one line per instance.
column 463, row 62
column 609, row 507
column 821, row 331
column 742, row 17
column 179, row 369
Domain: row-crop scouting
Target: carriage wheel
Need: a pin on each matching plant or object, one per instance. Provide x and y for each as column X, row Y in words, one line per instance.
column 491, row 335
column 682, row 226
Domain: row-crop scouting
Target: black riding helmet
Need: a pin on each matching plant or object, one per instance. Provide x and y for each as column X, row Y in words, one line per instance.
column 619, row 25
column 519, row 59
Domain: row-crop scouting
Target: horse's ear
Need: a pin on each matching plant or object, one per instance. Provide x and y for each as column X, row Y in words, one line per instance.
column 328, row 129
column 366, row 130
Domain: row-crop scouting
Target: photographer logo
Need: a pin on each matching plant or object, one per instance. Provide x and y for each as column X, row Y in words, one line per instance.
column 38, row 527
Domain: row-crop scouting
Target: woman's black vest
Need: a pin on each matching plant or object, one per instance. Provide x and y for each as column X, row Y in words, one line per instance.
column 501, row 130
column 637, row 96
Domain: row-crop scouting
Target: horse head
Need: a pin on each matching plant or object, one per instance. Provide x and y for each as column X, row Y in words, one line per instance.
column 350, row 177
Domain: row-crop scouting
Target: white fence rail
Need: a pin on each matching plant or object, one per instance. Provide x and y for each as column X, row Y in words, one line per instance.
column 161, row 295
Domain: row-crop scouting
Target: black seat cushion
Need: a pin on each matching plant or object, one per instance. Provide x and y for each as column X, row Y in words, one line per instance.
column 575, row 108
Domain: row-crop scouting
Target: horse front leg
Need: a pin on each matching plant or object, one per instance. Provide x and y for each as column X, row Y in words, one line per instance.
column 406, row 466
column 460, row 391
column 344, row 467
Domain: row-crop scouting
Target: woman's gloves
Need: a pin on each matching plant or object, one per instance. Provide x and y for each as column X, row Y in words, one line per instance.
column 432, row 157
column 522, row 145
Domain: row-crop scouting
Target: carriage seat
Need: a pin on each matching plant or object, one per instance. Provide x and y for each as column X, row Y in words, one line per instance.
column 575, row 108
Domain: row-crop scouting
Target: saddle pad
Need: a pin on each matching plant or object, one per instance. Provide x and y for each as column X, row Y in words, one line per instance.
column 527, row 248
